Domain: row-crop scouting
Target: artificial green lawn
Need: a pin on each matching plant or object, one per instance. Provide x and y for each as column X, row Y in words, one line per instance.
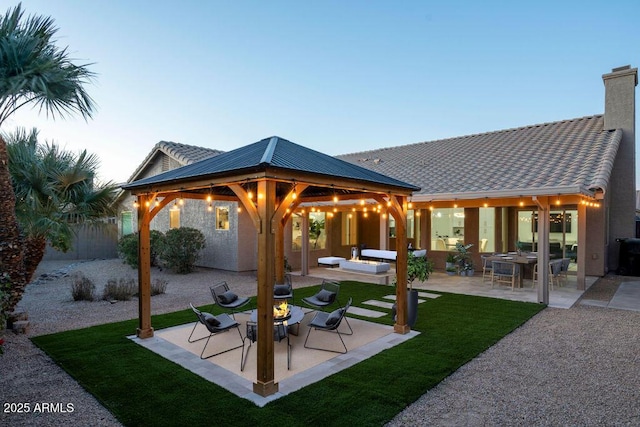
column 142, row 388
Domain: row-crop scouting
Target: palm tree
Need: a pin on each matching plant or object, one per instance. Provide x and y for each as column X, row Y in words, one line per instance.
column 35, row 72
column 54, row 190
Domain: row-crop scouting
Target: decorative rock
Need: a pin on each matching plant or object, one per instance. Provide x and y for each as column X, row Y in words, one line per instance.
column 21, row 327
column 18, row 314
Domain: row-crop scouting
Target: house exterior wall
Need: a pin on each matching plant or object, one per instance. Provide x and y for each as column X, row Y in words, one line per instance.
column 233, row 249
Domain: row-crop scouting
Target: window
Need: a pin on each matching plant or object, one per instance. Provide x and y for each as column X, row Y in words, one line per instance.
column 174, row 217
column 487, row 230
column 126, row 223
column 349, row 235
column 447, row 228
column 411, row 224
column 222, row 218
column 317, row 233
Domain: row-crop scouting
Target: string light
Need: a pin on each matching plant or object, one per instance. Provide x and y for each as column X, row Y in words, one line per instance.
column 136, row 205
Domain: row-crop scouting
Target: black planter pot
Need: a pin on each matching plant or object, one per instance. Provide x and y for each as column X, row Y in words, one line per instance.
column 412, row 308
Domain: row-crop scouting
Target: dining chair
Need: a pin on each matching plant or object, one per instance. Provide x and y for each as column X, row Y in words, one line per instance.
column 487, row 266
column 504, row 272
column 555, row 267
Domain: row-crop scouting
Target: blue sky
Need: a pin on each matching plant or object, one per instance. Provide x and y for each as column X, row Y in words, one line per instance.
column 335, row 76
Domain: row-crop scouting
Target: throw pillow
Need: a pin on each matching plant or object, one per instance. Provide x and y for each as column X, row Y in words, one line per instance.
column 326, row 296
column 227, row 297
column 281, row 290
column 333, row 318
column 211, row 319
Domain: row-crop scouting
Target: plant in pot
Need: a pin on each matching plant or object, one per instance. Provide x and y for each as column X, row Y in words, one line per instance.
column 417, row 268
column 463, row 259
column 450, row 262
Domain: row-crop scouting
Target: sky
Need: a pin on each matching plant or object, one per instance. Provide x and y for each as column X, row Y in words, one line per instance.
column 335, row 76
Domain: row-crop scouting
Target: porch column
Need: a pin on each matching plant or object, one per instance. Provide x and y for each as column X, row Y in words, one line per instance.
column 144, row 269
column 304, row 243
column 543, row 249
column 265, row 384
column 581, row 257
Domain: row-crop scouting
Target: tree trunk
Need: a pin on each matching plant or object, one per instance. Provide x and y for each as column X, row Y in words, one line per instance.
column 11, row 255
column 33, row 252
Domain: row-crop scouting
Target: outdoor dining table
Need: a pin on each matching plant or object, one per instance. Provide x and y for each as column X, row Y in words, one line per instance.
column 525, row 259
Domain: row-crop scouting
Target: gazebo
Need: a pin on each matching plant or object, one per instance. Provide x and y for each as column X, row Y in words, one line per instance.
column 271, row 178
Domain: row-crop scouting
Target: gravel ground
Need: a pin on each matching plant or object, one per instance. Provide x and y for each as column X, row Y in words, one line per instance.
column 576, row 367
column 563, row 367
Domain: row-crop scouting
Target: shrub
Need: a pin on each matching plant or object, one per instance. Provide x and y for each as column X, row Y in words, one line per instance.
column 158, row 286
column 180, row 248
column 120, row 290
column 82, row 288
column 128, row 248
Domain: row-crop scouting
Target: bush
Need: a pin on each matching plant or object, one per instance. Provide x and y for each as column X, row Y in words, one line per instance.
column 180, row 248
column 120, row 290
column 158, row 286
column 128, row 248
column 83, row 288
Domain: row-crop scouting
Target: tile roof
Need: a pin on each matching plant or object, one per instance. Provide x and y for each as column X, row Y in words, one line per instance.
column 273, row 152
column 566, row 157
column 182, row 153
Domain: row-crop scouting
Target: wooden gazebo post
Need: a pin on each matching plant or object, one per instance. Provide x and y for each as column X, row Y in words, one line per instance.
column 265, row 384
column 144, row 268
column 398, row 210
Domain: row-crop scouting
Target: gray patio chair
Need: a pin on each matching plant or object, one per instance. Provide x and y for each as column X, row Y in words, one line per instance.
column 215, row 325
column 280, row 333
column 325, row 297
column 329, row 322
column 283, row 291
column 225, row 298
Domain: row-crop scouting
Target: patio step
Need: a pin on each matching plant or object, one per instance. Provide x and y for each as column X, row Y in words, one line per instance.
column 420, row 294
column 366, row 312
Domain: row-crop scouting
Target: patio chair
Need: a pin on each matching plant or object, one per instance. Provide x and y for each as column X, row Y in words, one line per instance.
column 284, row 291
column 279, row 334
column 487, row 266
column 555, row 267
column 215, row 325
column 225, row 298
column 563, row 277
column 329, row 322
column 325, row 297
column 504, row 272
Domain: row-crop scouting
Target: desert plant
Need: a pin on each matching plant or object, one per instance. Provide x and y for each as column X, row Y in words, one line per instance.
column 158, row 286
column 180, row 248
column 82, row 288
column 120, row 290
column 128, row 248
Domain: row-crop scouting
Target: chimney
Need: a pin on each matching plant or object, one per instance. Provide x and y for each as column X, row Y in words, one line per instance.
column 620, row 113
column 619, row 98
